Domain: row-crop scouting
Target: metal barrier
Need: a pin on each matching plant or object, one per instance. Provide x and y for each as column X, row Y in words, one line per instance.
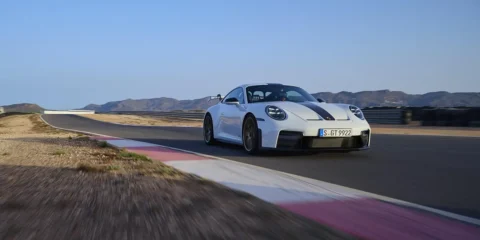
column 76, row 112
column 387, row 116
column 455, row 117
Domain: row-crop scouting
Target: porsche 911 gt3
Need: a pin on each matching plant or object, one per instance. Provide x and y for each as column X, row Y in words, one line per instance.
column 277, row 116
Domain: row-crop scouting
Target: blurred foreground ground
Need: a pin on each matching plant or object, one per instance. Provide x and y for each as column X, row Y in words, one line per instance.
column 60, row 185
column 376, row 128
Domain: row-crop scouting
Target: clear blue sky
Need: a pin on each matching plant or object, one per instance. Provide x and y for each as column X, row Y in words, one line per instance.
column 66, row 55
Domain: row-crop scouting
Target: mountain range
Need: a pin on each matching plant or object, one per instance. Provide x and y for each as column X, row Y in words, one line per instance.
column 361, row 99
column 153, row 104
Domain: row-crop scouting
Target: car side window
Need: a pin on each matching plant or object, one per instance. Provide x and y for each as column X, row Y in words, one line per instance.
column 236, row 94
column 241, row 96
column 257, row 96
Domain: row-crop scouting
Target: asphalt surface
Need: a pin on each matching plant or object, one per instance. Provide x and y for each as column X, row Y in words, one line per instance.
column 439, row 172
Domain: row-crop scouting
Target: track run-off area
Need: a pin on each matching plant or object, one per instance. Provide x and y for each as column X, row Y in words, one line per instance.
column 437, row 172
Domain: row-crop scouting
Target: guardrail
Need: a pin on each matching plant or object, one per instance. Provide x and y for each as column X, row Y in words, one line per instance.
column 69, row 112
column 387, row 115
column 454, row 117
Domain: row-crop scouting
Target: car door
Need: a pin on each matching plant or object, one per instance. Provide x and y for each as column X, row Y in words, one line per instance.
column 235, row 116
column 231, row 116
column 222, row 120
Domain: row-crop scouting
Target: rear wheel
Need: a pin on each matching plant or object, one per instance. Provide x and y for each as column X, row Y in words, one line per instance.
column 208, row 130
column 250, row 134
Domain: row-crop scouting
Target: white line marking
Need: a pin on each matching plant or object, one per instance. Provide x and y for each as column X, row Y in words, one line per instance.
column 315, row 182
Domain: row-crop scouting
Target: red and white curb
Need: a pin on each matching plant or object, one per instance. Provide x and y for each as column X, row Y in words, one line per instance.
column 356, row 212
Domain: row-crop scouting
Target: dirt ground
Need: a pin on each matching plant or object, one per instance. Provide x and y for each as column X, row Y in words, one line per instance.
column 426, row 131
column 376, row 128
column 60, row 185
column 25, row 140
column 144, row 120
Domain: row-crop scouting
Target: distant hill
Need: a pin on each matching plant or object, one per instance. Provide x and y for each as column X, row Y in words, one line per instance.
column 397, row 98
column 154, row 104
column 23, row 107
column 361, row 99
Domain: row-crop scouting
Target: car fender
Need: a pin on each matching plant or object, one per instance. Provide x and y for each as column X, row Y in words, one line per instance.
column 214, row 111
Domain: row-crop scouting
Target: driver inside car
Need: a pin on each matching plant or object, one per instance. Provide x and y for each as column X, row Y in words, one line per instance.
column 277, row 96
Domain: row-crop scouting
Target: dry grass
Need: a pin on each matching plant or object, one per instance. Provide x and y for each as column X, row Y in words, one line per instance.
column 102, row 144
column 145, row 120
column 426, row 131
column 124, row 162
column 58, row 153
column 39, row 126
column 134, row 156
column 29, row 141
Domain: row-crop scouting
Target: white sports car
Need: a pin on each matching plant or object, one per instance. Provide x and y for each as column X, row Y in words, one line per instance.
column 276, row 116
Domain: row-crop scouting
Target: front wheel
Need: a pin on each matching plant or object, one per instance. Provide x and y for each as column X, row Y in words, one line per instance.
column 208, row 130
column 250, row 135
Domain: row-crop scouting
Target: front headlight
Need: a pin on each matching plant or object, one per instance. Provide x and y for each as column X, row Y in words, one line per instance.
column 275, row 113
column 357, row 112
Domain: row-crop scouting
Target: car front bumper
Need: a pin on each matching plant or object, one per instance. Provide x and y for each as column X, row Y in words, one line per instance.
column 289, row 140
column 303, row 135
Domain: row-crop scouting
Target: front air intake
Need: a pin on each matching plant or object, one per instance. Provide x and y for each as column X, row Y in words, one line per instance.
column 289, row 139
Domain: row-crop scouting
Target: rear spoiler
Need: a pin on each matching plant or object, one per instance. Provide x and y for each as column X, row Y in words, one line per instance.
column 219, row 97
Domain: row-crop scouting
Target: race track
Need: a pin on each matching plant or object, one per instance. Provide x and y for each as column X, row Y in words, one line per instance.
column 438, row 172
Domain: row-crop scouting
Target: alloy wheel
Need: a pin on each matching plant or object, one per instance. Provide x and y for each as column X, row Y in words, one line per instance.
column 208, row 129
column 249, row 135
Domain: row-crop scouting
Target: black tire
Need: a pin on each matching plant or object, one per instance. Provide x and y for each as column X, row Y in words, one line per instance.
column 208, row 130
column 250, row 135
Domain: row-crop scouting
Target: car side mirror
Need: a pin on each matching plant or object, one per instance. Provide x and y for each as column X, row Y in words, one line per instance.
column 232, row 101
column 320, row 100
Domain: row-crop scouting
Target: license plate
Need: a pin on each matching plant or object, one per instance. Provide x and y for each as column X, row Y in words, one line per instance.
column 335, row 132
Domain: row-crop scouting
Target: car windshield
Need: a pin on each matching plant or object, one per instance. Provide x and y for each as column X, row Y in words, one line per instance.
column 277, row 92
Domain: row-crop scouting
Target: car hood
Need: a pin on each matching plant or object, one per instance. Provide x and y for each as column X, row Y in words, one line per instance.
column 312, row 110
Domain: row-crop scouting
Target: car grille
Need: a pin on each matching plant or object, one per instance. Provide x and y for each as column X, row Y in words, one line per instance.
column 296, row 140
